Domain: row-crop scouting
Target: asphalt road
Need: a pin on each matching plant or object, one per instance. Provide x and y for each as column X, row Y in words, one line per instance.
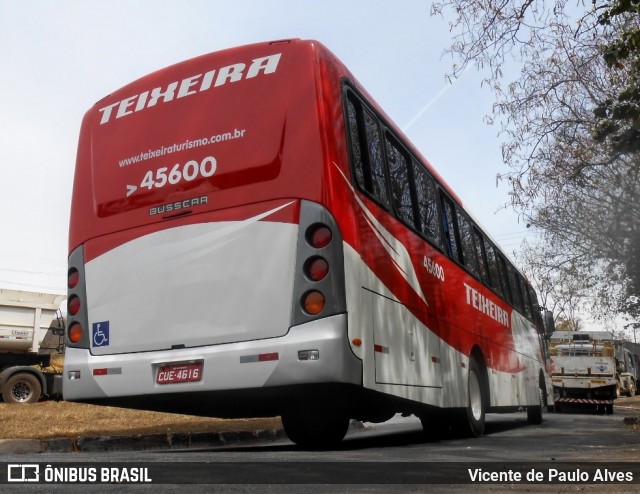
column 390, row 457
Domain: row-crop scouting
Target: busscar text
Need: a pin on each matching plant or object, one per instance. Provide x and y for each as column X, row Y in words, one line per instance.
column 177, row 206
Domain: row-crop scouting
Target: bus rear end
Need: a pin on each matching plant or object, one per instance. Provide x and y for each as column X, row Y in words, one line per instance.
column 205, row 276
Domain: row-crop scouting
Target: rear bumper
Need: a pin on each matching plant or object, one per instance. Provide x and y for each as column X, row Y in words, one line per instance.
column 232, row 367
column 584, row 383
column 582, row 401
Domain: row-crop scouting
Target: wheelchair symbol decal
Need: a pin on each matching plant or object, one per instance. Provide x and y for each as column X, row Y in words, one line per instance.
column 100, row 334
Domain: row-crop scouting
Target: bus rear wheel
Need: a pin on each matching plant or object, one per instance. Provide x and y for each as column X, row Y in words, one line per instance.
column 315, row 428
column 473, row 418
column 534, row 413
column 436, row 426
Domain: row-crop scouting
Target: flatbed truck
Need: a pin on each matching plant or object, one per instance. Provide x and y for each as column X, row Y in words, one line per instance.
column 590, row 368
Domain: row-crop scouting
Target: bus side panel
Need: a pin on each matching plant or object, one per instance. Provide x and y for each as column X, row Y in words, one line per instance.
column 456, row 307
column 406, row 352
column 423, row 379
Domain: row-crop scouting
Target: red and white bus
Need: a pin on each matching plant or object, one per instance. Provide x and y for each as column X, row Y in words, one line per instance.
column 251, row 236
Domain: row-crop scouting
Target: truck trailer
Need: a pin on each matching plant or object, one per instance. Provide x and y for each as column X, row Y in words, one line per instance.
column 591, row 368
column 26, row 375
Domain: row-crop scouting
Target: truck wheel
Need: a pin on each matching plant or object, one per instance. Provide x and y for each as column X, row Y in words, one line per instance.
column 22, row 388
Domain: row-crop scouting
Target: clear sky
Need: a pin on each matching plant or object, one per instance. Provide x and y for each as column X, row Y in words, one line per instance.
column 57, row 58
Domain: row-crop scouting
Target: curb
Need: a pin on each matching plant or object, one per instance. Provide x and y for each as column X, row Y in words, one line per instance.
column 179, row 440
column 142, row 442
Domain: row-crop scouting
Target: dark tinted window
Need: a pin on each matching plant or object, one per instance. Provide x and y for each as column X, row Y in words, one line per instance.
column 376, row 160
column 451, row 237
column 400, row 184
column 516, row 291
column 427, row 198
column 535, row 306
column 466, row 243
column 526, row 303
column 354, row 136
column 478, row 241
column 502, row 269
column 494, row 271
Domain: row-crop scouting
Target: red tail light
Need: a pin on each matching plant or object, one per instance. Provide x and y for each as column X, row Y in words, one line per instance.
column 316, row 268
column 73, row 305
column 73, row 278
column 319, row 235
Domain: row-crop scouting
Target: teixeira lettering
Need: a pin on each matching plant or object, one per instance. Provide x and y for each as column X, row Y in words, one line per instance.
column 189, row 86
column 479, row 302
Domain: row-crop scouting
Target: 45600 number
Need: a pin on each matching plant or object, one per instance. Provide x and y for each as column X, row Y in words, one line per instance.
column 190, row 171
column 433, row 268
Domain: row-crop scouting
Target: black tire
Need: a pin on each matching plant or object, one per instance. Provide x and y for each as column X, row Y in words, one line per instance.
column 436, row 426
column 474, row 416
column 314, row 428
column 534, row 413
column 22, row 388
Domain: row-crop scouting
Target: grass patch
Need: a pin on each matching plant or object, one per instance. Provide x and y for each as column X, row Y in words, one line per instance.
column 50, row 419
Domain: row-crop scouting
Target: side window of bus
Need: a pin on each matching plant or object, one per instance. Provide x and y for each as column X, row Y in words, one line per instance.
column 526, row 303
column 536, row 315
column 400, row 185
column 535, row 306
column 494, row 271
column 483, row 267
column 356, row 151
column 427, row 197
column 502, row 268
column 466, row 244
column 516, row 291
column 451, row 235
column 376, row 159
column 366, row 151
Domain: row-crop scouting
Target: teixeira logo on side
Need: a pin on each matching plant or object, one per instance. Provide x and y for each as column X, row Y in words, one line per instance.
column 189, row 86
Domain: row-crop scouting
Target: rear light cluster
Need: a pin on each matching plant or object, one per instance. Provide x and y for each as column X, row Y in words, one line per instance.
column 316, row 268
column 76, row 310
column 319, row 288
column 73, row 306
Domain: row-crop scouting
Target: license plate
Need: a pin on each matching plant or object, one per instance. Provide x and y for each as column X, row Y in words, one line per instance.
column 179, row 373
